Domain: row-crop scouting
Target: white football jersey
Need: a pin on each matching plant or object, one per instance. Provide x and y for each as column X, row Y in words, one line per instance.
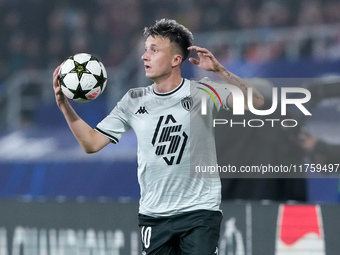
column 173, row 137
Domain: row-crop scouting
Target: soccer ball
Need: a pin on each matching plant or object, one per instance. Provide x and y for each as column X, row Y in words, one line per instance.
column 82, row 77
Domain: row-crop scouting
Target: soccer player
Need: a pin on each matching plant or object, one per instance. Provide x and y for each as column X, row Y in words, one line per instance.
column 179, row 213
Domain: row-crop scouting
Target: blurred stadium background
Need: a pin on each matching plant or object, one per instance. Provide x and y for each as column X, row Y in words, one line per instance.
column 39, row 158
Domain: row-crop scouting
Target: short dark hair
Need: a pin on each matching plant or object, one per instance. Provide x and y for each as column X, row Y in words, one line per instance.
column 174, row 31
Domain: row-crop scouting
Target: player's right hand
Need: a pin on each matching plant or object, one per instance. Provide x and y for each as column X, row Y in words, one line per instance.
column 59, row 95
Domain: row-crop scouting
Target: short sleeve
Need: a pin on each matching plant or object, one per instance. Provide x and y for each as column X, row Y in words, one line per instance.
column 117, row 122
column 219, row 91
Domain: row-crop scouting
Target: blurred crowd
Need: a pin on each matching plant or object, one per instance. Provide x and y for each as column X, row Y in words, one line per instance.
column 42, row 33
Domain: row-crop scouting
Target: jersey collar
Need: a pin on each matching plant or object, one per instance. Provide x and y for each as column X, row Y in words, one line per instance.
column 171, row 92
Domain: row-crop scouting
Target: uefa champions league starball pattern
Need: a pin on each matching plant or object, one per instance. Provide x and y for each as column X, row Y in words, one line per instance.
column 82, row 77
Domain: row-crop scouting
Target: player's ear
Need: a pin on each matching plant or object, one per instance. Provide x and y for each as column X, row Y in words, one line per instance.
column 177, row 60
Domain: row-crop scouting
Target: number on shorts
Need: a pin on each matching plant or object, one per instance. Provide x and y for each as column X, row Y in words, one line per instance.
column 146, row 235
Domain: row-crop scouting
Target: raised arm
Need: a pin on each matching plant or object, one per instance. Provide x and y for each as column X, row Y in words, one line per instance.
column 208, row 62
column 89, row 139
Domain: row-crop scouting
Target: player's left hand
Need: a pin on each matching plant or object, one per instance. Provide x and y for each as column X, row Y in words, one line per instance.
column 206, row 61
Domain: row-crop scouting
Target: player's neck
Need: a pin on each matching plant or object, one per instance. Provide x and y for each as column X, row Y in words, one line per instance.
column 167, row 85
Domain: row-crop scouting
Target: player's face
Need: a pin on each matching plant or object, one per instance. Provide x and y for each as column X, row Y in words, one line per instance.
column 158, row 57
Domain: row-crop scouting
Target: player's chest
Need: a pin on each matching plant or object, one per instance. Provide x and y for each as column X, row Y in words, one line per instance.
column 163, row 129
column 153, row 115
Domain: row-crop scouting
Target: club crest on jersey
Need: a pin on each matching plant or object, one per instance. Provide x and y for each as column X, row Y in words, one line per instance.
column 187, row 103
